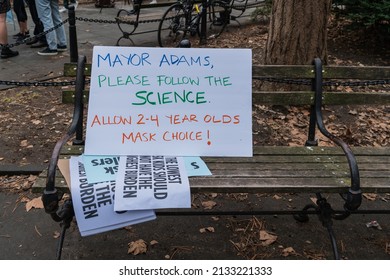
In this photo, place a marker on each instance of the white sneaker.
(63, 9)
(75, 5)
(153, 2)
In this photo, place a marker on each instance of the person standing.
(6, 52)
(37, 42)
(48, 12)
(21, 15)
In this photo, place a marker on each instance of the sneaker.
(39, 44)
(7, 53)
(48, 51)
(61, 48)
(22, 37)
(17, 35)
(32, 41)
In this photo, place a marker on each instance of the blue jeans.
(48, 12)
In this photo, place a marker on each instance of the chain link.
(36, 84)
(325, 84)
(118, 21)
(36, 36)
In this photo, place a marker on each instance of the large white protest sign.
(151, 182)
(94, 204)
(163, 101)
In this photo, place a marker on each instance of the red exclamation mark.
(208, 137)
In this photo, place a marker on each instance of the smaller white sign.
(94, 204)
(151, 182)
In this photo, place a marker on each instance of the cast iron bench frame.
(335, 169)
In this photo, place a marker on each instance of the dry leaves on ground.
(34, 203)
(137, 247)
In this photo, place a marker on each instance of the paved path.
(29, 66)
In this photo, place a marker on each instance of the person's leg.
(6, 52)
(37, 22)
(60, 31)
(45, 14)
(34, 15)
(3, 30)
(21, 15)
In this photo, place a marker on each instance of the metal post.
(203, 24)
(311, 136)
(72, 34)
(79, 100)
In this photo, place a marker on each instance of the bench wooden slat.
(357, 72)
(282, 169)
(258, 184)
(276, 151)
(329, 98)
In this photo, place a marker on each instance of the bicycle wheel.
(218, 15)
(172, 27)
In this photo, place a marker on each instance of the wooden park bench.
(340, 169)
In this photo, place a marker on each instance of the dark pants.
(34, 15)
(20, 10)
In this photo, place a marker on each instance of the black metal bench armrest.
(51, 197)
(353, 198)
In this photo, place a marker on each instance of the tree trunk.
(297, 32)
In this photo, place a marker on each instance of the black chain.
(325, 84)
(36, 84)
(118, 20)
(357, 84)
(96, 20)
(284, 81)
(24, 41)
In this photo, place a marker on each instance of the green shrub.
(263, 12)
(369, 13)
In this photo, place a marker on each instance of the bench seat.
(281, 168)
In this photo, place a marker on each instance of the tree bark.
(297, 32)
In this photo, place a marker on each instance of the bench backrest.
(334, 77)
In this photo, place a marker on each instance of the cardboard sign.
(162, 101)
(94, 204)
(151, 182)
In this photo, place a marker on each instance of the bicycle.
(183, 20)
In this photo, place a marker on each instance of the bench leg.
(67, 214)
(325, 214)
(311, 136)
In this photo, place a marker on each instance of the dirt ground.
(33, 118)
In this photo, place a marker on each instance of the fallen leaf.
(36, 122)
(288, 251)
(56, 234)
(209, 204)
(137, 247)
(207, 229)
(370, 196)
(34, 203)
(153, 242)
(23, 143)
(267, 238)
(277, 197)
